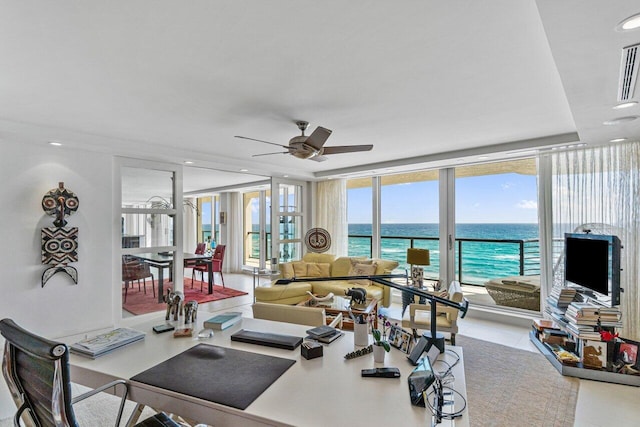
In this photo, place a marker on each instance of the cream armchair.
(419, 317)
(311, 316)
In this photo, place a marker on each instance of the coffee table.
(341, 305)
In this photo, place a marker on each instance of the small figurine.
(174, 303)
(358, 295)
(190, 311)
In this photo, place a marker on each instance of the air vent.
(628, 72)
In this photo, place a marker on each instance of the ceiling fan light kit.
(310, 147)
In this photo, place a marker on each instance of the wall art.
(59, 243)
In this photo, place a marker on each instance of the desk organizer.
(311, 350)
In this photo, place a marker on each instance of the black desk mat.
(218, 374)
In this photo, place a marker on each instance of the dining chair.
(135, 270)
(200, 250)
(419, 316)
(216, 266)
(37, 372)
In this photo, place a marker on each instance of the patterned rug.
(507, 387)
(140, 303)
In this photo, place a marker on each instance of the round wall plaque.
(318, 240)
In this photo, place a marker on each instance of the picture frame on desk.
(628, 352)
(400, 339)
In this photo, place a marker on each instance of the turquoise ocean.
(481, 260)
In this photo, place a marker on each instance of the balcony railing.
(477, 260)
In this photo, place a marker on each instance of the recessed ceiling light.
(188, 162)
(483, 157)
(617, 139)
(244, 170)
(285, 176)
(625, 105)
(631, 23)
(620, 120)
(55, 143)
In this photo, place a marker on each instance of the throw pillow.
(362, 269)
(286, 269)
(320, 269)
(299, 268)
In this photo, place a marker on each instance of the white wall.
(61, 307)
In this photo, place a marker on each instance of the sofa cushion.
(385, 266)
(342, 265)
(362, 269)
(286, 270)
(318, 258)
(320, 269)
(299, 268)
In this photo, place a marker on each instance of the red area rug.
(140, 303)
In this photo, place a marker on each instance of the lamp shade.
(417, 256)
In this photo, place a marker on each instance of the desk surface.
(317, 392)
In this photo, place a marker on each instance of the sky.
(502, 198)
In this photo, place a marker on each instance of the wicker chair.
(38, 375)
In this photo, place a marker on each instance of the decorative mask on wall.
(59, 243)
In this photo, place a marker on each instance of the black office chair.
(37, 373)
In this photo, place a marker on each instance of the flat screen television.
(592, 261)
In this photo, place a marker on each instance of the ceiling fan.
(312, 146)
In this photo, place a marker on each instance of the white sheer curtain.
(331, 214)
(190, 226)
(233, 256)
(601, 186)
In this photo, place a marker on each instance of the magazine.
(104, 343)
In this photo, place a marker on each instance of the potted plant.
(380, 343)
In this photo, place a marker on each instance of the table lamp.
(417, 257)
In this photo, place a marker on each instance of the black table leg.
(210, 273)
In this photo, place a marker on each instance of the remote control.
(381, 372)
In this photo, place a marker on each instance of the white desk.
(317, 392)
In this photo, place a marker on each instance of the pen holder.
(310, 350)
(361, 334)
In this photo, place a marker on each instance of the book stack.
(558, 301)
(540, 325)
(324, 334)
(104, 343)
(584, 317)
(223, 320)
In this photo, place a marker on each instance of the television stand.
(584, 373)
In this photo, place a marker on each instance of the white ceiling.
(423, 81)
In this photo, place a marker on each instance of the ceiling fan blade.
(346, 149)
(266, 142)
(318, 158)
(269, 154)
(318, 137)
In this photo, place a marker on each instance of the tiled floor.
(599, 404)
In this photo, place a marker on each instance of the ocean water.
(480, 260)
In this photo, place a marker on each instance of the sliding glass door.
(288, 221)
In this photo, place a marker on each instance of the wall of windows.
(496, 219)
